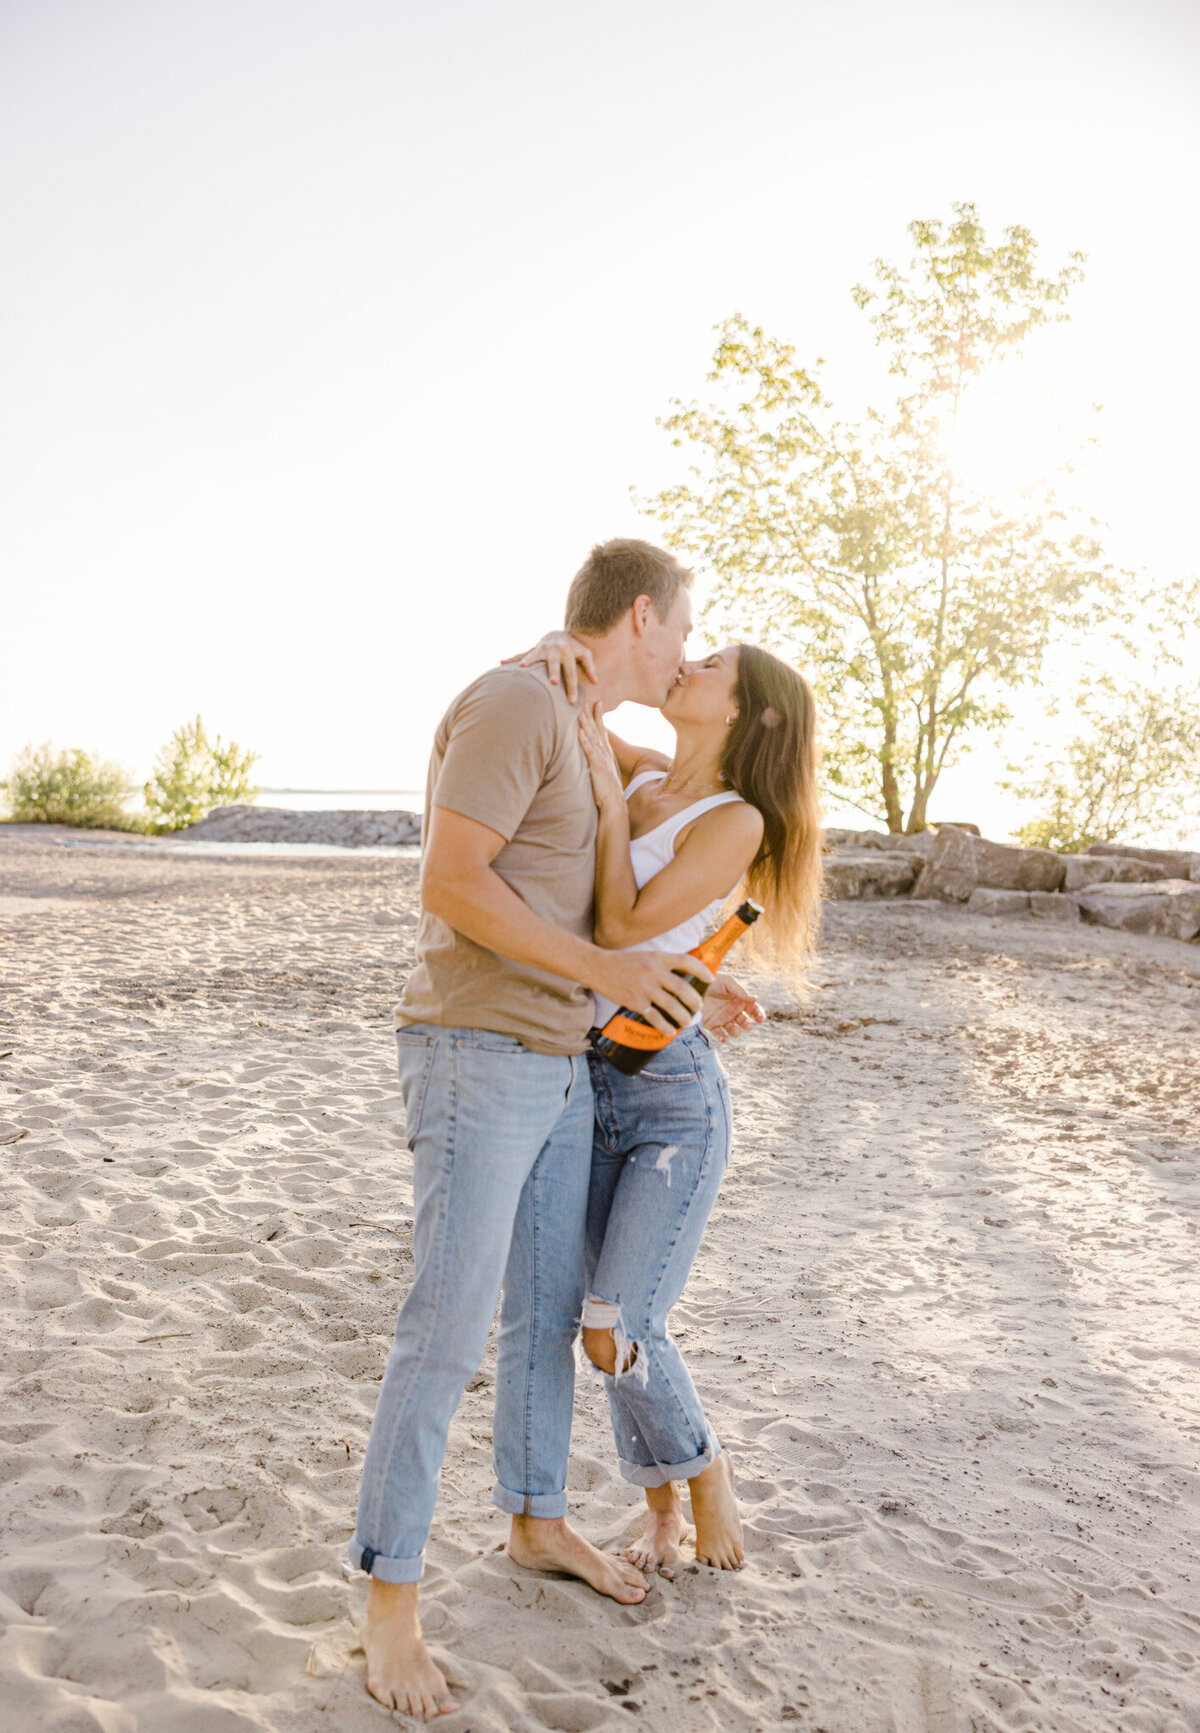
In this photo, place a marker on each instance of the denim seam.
(400, 1413)
(526, 1447)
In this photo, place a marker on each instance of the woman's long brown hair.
(771, 759)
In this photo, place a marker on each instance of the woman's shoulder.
(733, 815)
(732, 823)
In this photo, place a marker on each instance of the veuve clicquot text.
(627, 1040)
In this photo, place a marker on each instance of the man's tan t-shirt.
(507, 754)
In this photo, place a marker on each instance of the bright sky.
(334, 334)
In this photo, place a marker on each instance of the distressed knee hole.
(600, 1348)
(604, 1340)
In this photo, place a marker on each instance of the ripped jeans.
(659, 1155)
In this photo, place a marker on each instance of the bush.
(193, 774)
(69, 787)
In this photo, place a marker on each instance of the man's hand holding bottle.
(651, 983)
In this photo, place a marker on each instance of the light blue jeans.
(501, 1139)
(660, 1152)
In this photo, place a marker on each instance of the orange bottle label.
(639, 1035)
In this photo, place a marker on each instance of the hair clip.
(771, 717)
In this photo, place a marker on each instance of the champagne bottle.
(627, 1040)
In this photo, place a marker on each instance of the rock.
(957, 824)
(344, 829)
(1053, 906)
(1093, 869)
(985, 902)
(1170, 909)
(855, 839)
(1181, 863)
(919, 843)
(959, 863)
(869, 874)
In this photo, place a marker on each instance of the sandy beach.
(945, 1322)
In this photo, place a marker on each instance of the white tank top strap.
(640, 780)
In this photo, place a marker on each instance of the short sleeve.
(500, 742)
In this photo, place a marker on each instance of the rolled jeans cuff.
(543, 1504)
(662, 1472)
(387, 1570)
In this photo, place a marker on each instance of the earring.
(730, 719)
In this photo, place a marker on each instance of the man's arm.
(460, 887)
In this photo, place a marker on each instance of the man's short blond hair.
(612, 578)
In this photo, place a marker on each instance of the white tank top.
(649, 855)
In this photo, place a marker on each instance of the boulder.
(1109, 869)
(960, 863)
(869, 874)
(1170, 909)
(919, 843)
(985, 902)
(1181, 863)
(1053, 906)
(855, 839)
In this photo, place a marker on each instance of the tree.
(1131, 771)
(856, 547)
(193, 774)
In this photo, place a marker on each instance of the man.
(498, 1109)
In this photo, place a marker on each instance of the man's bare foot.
(539, 1543)
(715, 1512)
(657, 1549)
(401, 1673)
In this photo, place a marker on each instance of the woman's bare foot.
(401, 1673)
(550, 1544)
(657, 1549)
(715, 1512)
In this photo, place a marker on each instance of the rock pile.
(346, 829)
(1142, 890)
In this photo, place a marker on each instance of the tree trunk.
(916, 816)
(891, 788)
(891, 801)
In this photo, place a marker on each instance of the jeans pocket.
(414, 1062)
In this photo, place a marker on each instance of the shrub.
(69, 787)
(193, 774)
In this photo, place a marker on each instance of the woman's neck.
(695, 768)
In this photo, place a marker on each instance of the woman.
(737, 803)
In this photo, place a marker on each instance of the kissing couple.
(565, 873)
